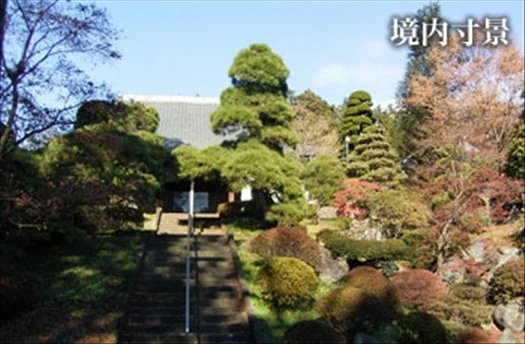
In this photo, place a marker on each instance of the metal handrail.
(190, 233)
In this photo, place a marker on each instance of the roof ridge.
(169, 99)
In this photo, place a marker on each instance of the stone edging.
(255, 325)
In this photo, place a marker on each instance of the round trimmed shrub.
(423, 328)
(313, 332)
(508, 281)
(418, 287)
(473, 336)
(287, 242)
(361, 271)
(352, 310)
(373, 282)
(288, 283)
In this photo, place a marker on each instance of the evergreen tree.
(373, 160)
(256, 108)
(323, 176)
(357, 117)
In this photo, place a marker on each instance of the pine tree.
(256, 108)
(373, 160)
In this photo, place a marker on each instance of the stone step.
(179, 303)
(163, 311)
(181, 338)
(156, 291)
(174, 265)
(172, 283)
(195, 319)
(166, 273)
(167, 329)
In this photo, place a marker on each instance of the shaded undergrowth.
(75, 291)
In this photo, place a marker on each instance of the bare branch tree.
(41, 82)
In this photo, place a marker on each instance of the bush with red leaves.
(374, 283)
(418, 287)
(287, 242)
(347, 201)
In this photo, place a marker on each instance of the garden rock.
(506, 254)
(507, 337)
(452, 271)
(331, 270)
(511, 316)
(482, 255)
(388, 269)
(327, 213)
(365, 230)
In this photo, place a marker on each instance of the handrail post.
(190, 232)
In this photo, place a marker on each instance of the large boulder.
(511, 316)
(506, 254)
(327, 213)
(483, 253)
(331, 270)
(364, 230)
(453, 270)
(507, 337)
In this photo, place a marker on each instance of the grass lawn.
(273, 325)
(72, 293)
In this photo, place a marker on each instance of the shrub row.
(364, 250)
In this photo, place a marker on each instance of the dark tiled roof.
(183, 120)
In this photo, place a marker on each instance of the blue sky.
(333, 48)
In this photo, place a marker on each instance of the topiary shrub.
(422, 328)
(287, 242)
(418, 287)
(352, 310)
(364, 250)
(508, 281)
(288, 283)
(313, 332)
(361, 271)
(473, 336)
(373, 282)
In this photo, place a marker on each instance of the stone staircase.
(156, 311)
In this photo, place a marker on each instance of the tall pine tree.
(256, 108)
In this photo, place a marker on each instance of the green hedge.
(365, 250)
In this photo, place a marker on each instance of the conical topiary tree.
(373, 160)
(357, 117)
